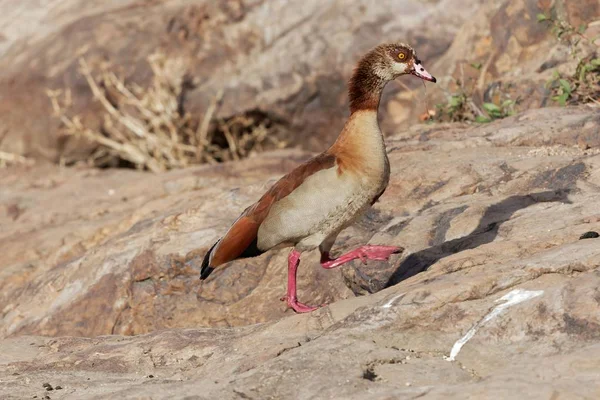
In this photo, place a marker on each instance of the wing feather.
(241, 238)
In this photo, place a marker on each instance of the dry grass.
(583, 86)
(8, 159)
(460, 105)
(144, 126)
(580, 88)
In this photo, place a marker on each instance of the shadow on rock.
(486, 232)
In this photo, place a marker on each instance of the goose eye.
(402, 56)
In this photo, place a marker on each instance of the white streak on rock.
(392, 300)
(510, 299)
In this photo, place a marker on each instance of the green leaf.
(456, 101)
(482, 120)
(492, 108)
(477, 66)
(566, 86)
(562, 99)
(542, 17)
(555, 74)
(582, 28)
(595, 62)
(507, 103)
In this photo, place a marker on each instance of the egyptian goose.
(308, 207)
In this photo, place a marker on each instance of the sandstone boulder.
(495, 296)
(491, 217)
(288, 60)
(505, 53)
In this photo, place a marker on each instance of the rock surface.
(504, 53)
(496, 295)
(289, 60)
(486, 213)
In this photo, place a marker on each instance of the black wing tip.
(205, 269)
(251, 251)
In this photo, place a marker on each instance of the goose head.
(382, 64)
(389, 61)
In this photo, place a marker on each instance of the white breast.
(328, 201)
(307, 209)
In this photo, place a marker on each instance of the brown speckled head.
(379, 66)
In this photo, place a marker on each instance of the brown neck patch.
(365, 86)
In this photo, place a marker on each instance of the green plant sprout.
(584, 85)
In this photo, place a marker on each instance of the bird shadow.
(485, 232)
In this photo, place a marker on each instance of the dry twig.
(145, 127)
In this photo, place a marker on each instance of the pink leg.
(292, 299)
(368, 252)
